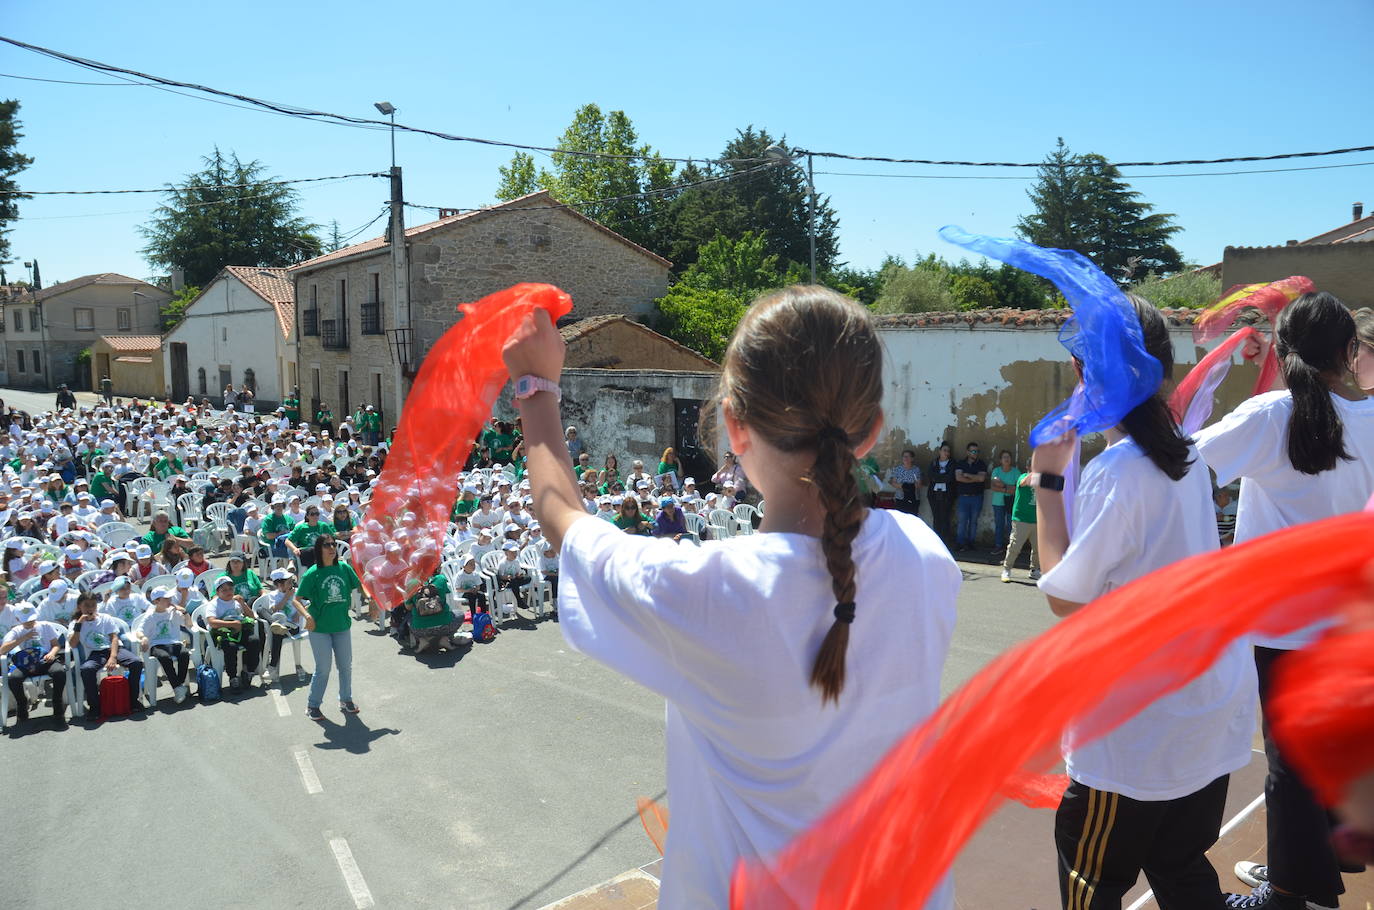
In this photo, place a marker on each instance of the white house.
(240, 329)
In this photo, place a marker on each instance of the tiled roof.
(584, 327)
(1344, 232)
(1015, 319)
(273, 285)
(1364, 236)
(84, 280)
(542, 198)
(133, 343)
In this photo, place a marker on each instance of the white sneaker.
(270, 677)
(179, 694)
(300, 674)
(1006, 575)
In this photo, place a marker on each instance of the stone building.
(349, 345)
(620, 343)
(133, 363)
(46, 330)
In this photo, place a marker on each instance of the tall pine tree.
(11, 163)
(229, 213)
(1081, 203)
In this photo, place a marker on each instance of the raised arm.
(537, 349)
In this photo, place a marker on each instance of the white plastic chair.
(500, 602)
(722, 523)
(157, 497)
(117, 533)
(188, 507)
(135, 490)
(760, 507)
(34, 686)
(744, 518)
(247, 546)
(541, 592)
(262, 608)
(695, 525)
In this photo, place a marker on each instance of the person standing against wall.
(942, 490)
(1023, 528)
(1004, 478)
(970, 476)
(906, 478)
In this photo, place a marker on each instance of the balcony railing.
(370, 319)
(334, 334)
(310, 322)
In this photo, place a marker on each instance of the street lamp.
(389, 110)
(776, 154)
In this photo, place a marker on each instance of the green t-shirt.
(303, 535)
(500, 445)
(329, 591)
(442, 618)
(273, 525)
(292, 409)
(324, 417)
(465, 506)
(102, 487)
(1007, 477)
(166, 467)
(154, 539)
(664, 468)
(1023, 507)
(248, 586)
(627, 523)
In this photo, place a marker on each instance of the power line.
(180, 189)
(846, 157)
(345, 119)
(68, 81)
(647, 194)
(1272, 170)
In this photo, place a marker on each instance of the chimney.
(1357, 211)
(1291, 243)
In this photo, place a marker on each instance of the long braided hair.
(804, 371)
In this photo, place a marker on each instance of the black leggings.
(55, 671)
(941, 509)
(175, 661)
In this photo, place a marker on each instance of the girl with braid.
(791, 659)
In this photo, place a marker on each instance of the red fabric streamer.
(1269, 299)
(398, 545)
(1192, 398)
(654, 817)
(893, 838)
(1322, 707)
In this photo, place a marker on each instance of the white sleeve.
(1244, 441)
(627, 601)
(1103, 539)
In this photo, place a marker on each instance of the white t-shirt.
(1131, 519)
(58, 609)
(727, 633)
(162, 628)
(98, 632)
(1252, 443)
(480, 519)
(126, 608)
(47, 635)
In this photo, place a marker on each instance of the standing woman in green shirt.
(327, 588)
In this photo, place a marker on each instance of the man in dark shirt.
(970, 476)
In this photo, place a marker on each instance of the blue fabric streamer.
(1103, 334)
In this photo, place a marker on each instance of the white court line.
(308, 775)
(352, 875)
(283, 707)
(1225, 830)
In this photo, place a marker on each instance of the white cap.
(185, 578)
(511, 545)
(143, 551)
(161, 591)
(280, 574)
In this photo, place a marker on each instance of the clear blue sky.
(996, 80)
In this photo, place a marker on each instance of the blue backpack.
(483, 629)
(207, 680)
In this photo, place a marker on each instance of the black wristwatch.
(1050, 481)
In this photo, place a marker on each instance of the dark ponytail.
(804, 371)
(833, 477)
(1314, 336)
(1150, 424)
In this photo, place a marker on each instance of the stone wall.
(1344, 269)
(491, 252)
(629, 413)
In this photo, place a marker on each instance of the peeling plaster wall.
(990, 385)
(626, 412)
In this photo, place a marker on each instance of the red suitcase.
(114, 696)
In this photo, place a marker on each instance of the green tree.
(768, 198)
(1194, 288)
(702, 309)
(11, 163)
(921, 288)
(609, 189)
(1081, 203)
(229, 213)
(174, 310)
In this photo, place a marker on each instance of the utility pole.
(400, 290)
(811, 221)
